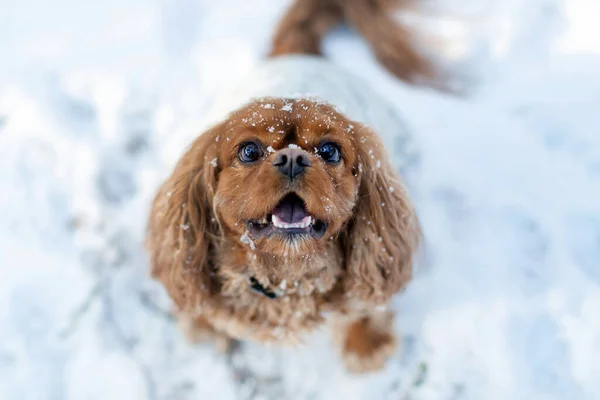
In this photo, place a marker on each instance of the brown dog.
(287, 212)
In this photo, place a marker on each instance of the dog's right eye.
(249, 152)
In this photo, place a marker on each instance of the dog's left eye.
(330, 152)
(249, 152)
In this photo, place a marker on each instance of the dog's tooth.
(277, 222)
(304, 223)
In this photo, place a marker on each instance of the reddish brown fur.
(307, 21)
(368, 341)
(198, 219)
(304, 25)
(197, 226)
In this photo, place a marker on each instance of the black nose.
(291, 162)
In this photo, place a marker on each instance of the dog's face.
(283, 182)
(288, 176)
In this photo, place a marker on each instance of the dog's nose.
(291, 162)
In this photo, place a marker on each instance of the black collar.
(257, 287)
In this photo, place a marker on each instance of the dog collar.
(257, 287)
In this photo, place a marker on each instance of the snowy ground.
(98, 99)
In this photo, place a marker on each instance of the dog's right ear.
(183, 232)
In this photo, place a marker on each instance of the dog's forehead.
(277, 118)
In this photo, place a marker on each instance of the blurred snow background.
(97, 101)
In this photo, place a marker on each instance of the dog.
(287, 213)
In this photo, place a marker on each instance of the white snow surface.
(99, 99)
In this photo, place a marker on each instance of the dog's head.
(284, 178)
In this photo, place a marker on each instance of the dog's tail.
(307, 21)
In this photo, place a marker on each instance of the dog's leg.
(197, 329)
(366, 342)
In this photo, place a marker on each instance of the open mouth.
(288, 217)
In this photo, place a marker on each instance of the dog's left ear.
(383, 236)
(183, 232)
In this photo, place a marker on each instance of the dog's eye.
(249, 152)
(330, 152)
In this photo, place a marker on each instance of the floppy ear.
(183, 231)
(384, 233)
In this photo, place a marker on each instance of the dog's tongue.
(290, 210)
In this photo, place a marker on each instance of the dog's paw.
(367, 349)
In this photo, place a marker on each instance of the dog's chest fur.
(274, 299)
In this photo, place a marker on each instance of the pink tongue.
(290, 210)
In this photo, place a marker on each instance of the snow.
(286, 107)
(246, 239)
(99, 100)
